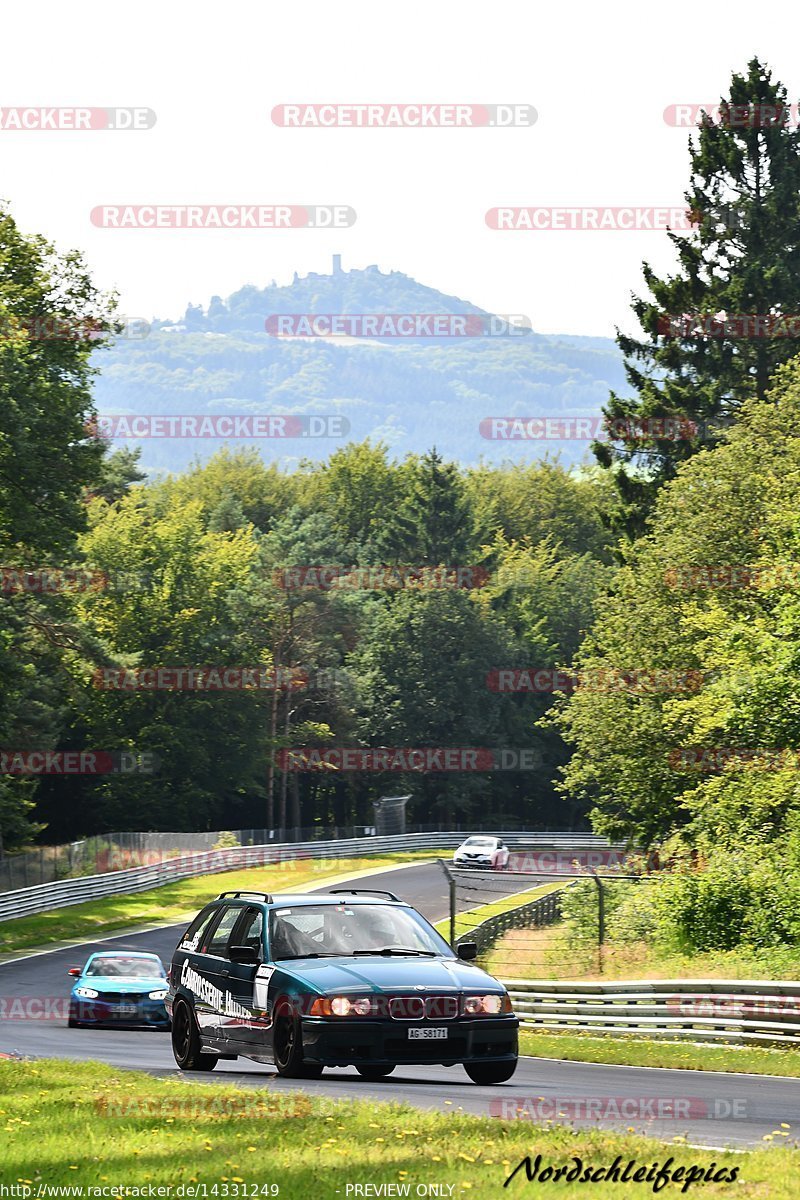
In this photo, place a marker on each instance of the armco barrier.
(64, 892)
(700, 1010)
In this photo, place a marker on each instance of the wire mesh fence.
(528, 925)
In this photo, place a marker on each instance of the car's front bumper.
(102, 1012)
(355, 1041)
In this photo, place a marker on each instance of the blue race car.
(119, 987)
(331, 980)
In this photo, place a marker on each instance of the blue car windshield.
(328, 930)
(128, 968)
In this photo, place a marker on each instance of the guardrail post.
(601, 916)
(452, 890)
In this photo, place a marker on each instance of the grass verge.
(174, 901)
(642, 1052)
(89, 1125)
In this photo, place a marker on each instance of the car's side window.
(197, 930)
(222, 933)
(250, 930)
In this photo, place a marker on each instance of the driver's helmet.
(377, 929)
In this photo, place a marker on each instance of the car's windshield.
(349, 929)
(128, 968)
(482, 841)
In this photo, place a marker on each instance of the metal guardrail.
(65, 892)
(99, 853)
(700, 1010)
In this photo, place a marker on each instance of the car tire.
(486, 1074)
(287, 1047)
(186, 1041)
(374, 1072)
(72, 1023)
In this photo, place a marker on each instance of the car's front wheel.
(186, 1041)
(287, 1049)
(368, 1071)
(489, 1073)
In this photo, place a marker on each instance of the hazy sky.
(599, 76)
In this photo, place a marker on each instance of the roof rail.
(238, 895)
(362, 892)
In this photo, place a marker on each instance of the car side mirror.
(244, 954)
(467, 950)
(75, 971)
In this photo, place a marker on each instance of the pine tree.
(433, 524)
(742, 259)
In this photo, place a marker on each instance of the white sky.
(600, 77)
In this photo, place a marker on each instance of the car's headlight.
(162, 995)
(87, 993)
(342, 1006)
(487, 1006)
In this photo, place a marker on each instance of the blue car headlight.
(87, 993)
(161, 995)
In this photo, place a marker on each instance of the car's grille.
(121, 997)
(407, 1008)
(418, 1008)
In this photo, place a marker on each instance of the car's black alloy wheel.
(186, 1041)
(288, 1051)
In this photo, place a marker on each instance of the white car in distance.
(482, 851)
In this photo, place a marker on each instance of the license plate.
(126, 1010)
(417, 1035)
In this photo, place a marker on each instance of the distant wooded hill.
(409, 393)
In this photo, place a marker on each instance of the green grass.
(644, 1052)
(175, 901)
(60, 1125)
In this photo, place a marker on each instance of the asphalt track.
(709, 1109)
